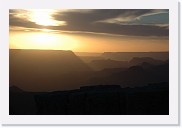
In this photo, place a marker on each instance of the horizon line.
(82, 51)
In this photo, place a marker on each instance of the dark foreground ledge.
(106, 100)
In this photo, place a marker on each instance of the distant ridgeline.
(51, 70)
(130, 55)
(106, 100)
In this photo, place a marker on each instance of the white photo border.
(171, 119)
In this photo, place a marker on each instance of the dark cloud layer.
(131, 22)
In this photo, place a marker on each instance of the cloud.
(130, 22)
(19, 18)
(150, 18)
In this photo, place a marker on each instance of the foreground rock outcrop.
(106, 100)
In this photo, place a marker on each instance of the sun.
(44, 17)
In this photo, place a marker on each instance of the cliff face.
(43, 68)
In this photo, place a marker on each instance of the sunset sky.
(90, 30)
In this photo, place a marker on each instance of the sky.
(90, 30)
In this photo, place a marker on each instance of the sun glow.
(44, 17)
(42, 40)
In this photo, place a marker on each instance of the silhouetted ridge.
(101, 87)
(106, 100)
(136, 68)
(129, 55)
(140, 60)
(146, 65)
(107, 63)
(15, 89)
(44, 69)
(133, 76)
